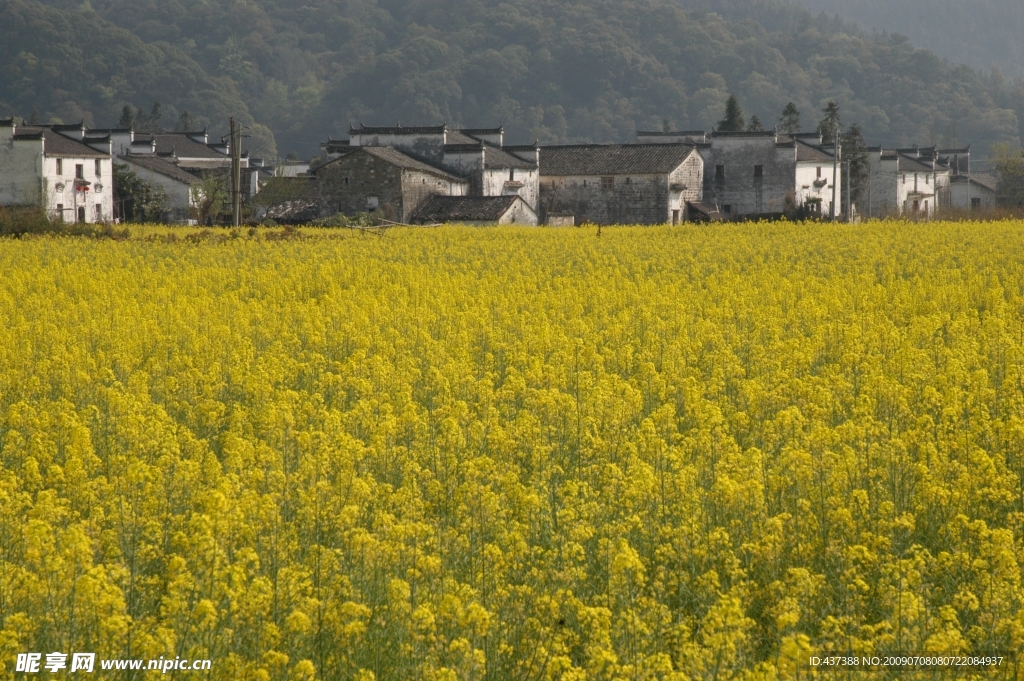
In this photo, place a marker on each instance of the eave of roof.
(398, 130)
(678, 133)
(612, 159)
(465, 208)
(161, 165)
(56, 144)
(393, 157)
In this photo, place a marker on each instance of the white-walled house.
(899, 185)
(972, 193)
(813, 187)
(48, 166)
(176, 183)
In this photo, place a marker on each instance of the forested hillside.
(982, 33)
(561, 70)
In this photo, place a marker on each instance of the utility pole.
(849, 193)
(236, 173)
(835, 174)
(969, 206)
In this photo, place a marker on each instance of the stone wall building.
(620, 183)
(435, 161)
(369, 178)
(765, 174)
(900, 185)
(48, 167)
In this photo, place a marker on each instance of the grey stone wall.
(418, 186)
(636, 199)
(344, 186)
(737, 186)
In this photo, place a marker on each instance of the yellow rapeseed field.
(694, 452)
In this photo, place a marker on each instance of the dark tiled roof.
(80, 125)
(56, 144)
(459, 137)
(985, 184)
(159, 164)
(809, 152)
(495, 157)
(678, 133)
(7, 122)
(965, 150)
(104, 131)
(464, 146)
(913, 165)
(397, 130)
(612, 159)
(183, 146)
(521, 147)
(743, 133)
(395, 158)
(473, 132)
(464, 208)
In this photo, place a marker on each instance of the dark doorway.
(81, 214)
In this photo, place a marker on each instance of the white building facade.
(47, 166)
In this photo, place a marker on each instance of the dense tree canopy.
(558, 71)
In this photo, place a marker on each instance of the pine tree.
(755, 124)
(185, 122)
(830, 125)
(734, 120)
(854, 151)
(789, 121)
(127, 119)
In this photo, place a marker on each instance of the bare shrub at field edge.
(20, 221)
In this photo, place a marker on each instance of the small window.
(60, 166)
(758, 172)
(904, 178)
(99, 212)
(80, 171)
(372, 202)
(60, 212)
(975, 202)
(819, 172)
(726, 208)
(607, 182)
(512, 175)
(719, 172)
(99, 168)
(346, 181)
(629, 180)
